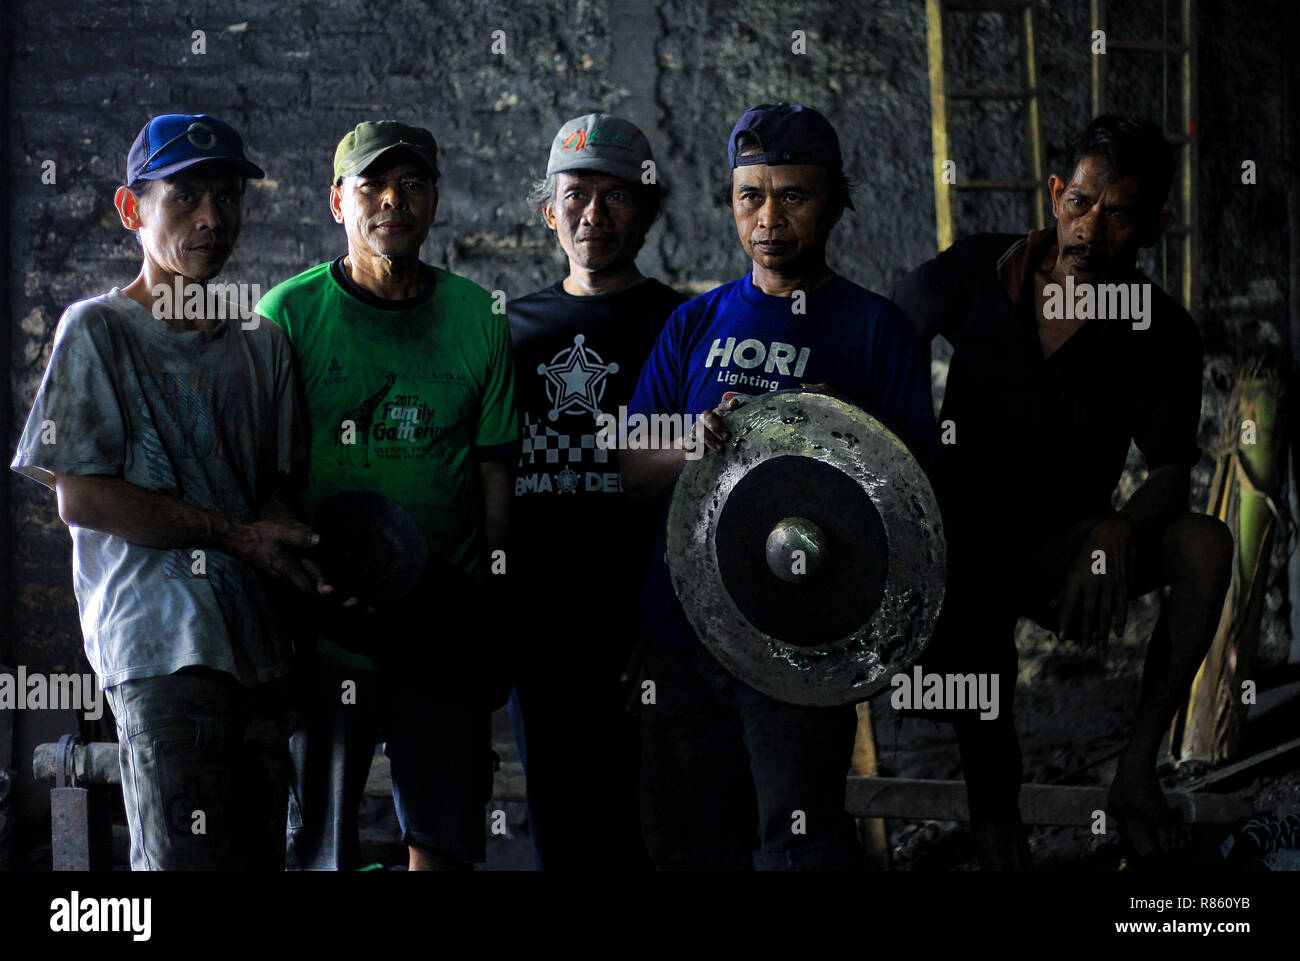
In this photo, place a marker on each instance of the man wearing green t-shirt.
(409, 391)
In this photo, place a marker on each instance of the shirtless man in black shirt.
(1063, 352)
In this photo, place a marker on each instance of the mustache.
(1092, 253)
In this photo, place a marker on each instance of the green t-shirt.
(415, 386)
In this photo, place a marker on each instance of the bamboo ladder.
(1182, 55)
(1033, 181)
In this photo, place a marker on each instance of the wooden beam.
(1221, 779)
(1062, 805)
(97, 763)
(865, 797)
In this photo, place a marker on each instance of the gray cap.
(602, 144)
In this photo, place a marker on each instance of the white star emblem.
(575, 380)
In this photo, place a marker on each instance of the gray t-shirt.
(207, 416)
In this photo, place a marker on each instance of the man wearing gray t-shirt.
(164, 423)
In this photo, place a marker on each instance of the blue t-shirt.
(737, 340)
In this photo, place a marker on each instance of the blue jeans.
(204, 771)
(732, 779)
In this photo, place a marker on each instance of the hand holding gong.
(710, 429)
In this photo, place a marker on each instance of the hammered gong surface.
(849, 586)
(869, 613)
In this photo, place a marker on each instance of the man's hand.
(152, 519)
(651, 474)
(277, 508)
(1099, 600)
(275, 548)
(709, 429)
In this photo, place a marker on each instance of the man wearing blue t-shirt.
(732, 778)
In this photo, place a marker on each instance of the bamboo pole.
(871, 831)
(1210, 726)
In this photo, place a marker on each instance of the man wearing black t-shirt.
(1063, 352)
(580, 547)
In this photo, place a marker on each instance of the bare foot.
(1148, 825)
(1001, 845)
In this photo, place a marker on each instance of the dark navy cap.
(787, 134)
(175, 141)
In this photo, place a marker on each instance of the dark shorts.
(441, 758)
(204, 771)
(734, 779)
(989, 589)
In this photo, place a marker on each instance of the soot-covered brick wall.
(293, 77)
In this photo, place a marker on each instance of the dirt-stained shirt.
(206, 416)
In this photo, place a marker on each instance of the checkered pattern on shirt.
(542, 440)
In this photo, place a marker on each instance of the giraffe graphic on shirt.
(362, 415)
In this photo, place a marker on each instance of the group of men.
(190, 453)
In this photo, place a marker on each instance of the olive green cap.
(370, 140)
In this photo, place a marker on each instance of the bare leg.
(991, 763)
(1198, 555)
(423, 859)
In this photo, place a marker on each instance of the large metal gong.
(809, 554)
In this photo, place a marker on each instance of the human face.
(783, 214)
(388, 208)
(599, 219)
(1100, 222)
(188, 223)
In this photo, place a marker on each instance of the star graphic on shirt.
(575, 379)
(566, 481)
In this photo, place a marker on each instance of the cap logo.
(201, 135)
(580, 139)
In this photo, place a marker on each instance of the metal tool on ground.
(79, 825)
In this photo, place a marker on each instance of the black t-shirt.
(573, 530)
(1041, 442)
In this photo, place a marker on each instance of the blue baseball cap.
(175, 141)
